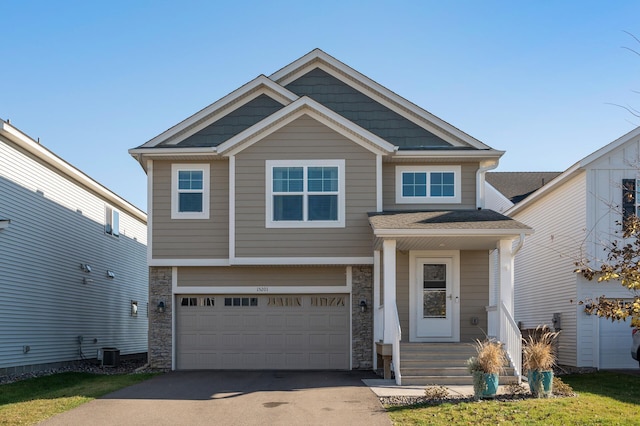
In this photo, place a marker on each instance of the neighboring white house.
(73, 271)
(574, 216)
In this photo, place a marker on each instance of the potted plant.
(486, 366)
(539, 359)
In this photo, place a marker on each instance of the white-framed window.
(190, 191)
(428, 184)
(305, 193)
(111, 221)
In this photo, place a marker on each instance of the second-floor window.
(428, 184)
(305, 193)
(111, 221)
(190, 191)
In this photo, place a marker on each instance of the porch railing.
(512, 339)
(396, 338)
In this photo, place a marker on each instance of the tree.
(623, 265)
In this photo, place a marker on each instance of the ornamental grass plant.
(538, 350)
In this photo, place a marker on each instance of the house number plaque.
(262, 289)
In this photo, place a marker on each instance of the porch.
(442, 280)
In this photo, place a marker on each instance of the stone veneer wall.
(362, 322)
(160, 349)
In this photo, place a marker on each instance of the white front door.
(435, 300)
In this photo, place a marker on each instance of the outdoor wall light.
(110, 274)
(134, 308)
(363, 305)
(85, 267)
(161, 307)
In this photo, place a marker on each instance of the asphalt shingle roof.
(450, 219)
(517, 186)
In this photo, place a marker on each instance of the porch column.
(506, 276)
(378, 318)
(389, 279)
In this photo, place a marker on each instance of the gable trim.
(319, 59)
(261, 85)
(305, 106)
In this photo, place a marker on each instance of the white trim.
(189, 262)
(264, 261)
(318, 58)
(485, 166)
(61, 166)
(254, 290)
(232, 207)
(258, 86)
(174, 312)
(149, 167)
(428, 198)
(206, 190)
(178, 151)
(379, 194)
(408, 233)
(315, 110)
(305, 223)
(389, 282)
(450, 154)
(349, 277)
(454, 256)
(303, 261)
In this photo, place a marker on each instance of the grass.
(30, 401)
(603, 399)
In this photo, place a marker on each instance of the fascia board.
(308, 106)
(412, 233)
(174, 151)
(378, 92)
(610, 147)
(453, 154)
(551, 186)
(66, 169)
(203, 118)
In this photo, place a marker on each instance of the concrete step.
(448, 380)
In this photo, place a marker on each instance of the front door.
(436, 301)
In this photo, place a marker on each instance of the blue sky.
(534, 78)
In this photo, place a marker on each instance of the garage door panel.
(615, 345)
(277, 332)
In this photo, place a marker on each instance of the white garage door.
(615, 345)
(284, 332)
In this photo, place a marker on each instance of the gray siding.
(364, 111)
(233, 123)
(262, 276)
(468, 184)
(304, 139)
(56, 225)
(474, 294)
(190, 238)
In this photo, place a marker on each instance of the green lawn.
(603, 399)
(30, 401)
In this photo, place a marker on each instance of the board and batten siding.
(190, 238)
(304, 139)
(468, 186)
(544, 279)
(57, 225)
(272, 276)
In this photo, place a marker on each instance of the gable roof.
(231, 118)
(517, 186)
(575, 169)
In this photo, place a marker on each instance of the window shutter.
(628, 198)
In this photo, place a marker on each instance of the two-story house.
(73, 274)
(313, 218)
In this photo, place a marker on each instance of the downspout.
(519, 245)
(485, 166)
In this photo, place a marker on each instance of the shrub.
(436, 392)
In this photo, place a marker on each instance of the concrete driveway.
(236, 398)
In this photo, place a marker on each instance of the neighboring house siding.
(468, 184)
(304, 139)
(191, 238)
(364, 111)
(494, 200)
(544, 279)
(57, 225)
(262, 276)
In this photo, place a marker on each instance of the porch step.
(425, 364)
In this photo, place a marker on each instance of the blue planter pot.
(485, 384)
(540, 383)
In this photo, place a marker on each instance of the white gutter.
(520, 244)
(485, 166)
